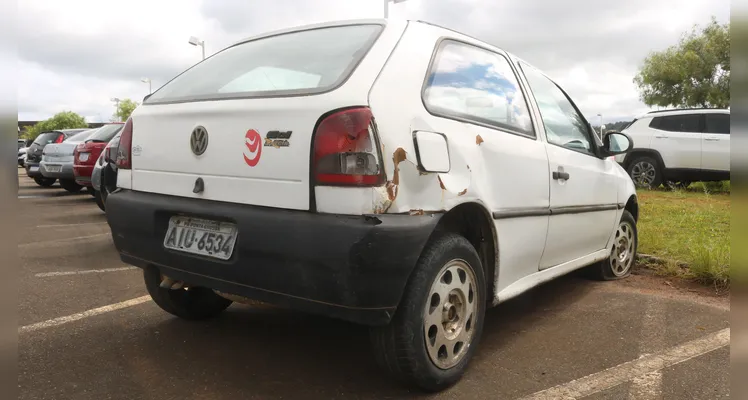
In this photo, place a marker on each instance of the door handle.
(661, 137)
(712, 139)
(560, 175)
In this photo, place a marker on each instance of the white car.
(394, 174)
(679, 147)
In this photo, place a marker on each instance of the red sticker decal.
(253, 140)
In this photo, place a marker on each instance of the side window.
(680, 123)
(717, 123)
(564, 126)
(469, 83)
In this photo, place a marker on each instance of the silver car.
(57, 161)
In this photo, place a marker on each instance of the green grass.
(690, 229)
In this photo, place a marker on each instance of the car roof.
(683, 111)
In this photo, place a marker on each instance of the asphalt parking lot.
(86, 331)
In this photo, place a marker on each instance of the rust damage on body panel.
(478, 140)
(383, 203)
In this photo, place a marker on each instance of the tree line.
(72, 120)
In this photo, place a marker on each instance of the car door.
(678, 140)
(715, 143)
(480, 106)
(583, 191)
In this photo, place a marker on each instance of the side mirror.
(615, 143)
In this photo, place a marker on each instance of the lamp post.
(197, 42)
(386, 6)
(148, 81)
(601, 125)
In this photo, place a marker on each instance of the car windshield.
(80, 137)
(296, 63)
(47, 138)
(105, 133)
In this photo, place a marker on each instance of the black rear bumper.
(349, 267)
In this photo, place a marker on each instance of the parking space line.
(24, 245)
(62, 225)
(87, 271)
(628, 371)
(85, 314)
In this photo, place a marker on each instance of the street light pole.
(601, 125)
(387, 4)
(197, 42)
(148, 81)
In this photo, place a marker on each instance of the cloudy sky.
(78, 54)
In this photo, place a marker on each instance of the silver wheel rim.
(450, 313)
(643, 173)
(624, 244)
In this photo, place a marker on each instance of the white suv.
(394, 174)
(679, 147)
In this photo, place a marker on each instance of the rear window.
(718, 123)
(296, 63)
(105, 133)
(47, 138)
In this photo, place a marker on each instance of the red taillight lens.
(60, 138)
(124, 150)
(345, 150)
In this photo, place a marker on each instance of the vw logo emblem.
(199, 140)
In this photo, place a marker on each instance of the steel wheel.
(643, 173)
(622, 256)
(449, 315)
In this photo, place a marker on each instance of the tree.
(125, 107)
(693, 73)
(61, 120)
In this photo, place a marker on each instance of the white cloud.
(77, 54)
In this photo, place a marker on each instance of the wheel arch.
(639, 152)
(473, 221)
(632, 206)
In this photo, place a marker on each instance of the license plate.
(204, 237)
(33, 169)
(54, 168)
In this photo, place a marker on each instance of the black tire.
(195, 303)
(70, 185)
(609, 270)
(640, 163)
(99, 200)
(401, 347)
(44, 182)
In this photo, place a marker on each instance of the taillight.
(124, 150)
(60, 138)
(345, 150)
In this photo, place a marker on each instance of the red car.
(86, 154)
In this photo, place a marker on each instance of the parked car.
(21, 143)
(394, 174)
(22, 156)
(57, 161)
(34, 153)
(87, 152)
(679, 147)
(104, 175)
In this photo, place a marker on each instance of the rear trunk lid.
(242, 121)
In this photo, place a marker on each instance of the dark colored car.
(34, 153)
(88, 152)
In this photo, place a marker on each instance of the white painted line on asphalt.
(652, 338)
(87, 271)
(24, 245)
(85, 314)
(625, 372)
(81, 224)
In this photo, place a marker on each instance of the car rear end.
(57, 158)
(223, 171)
(35, 151)
(88, 151)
